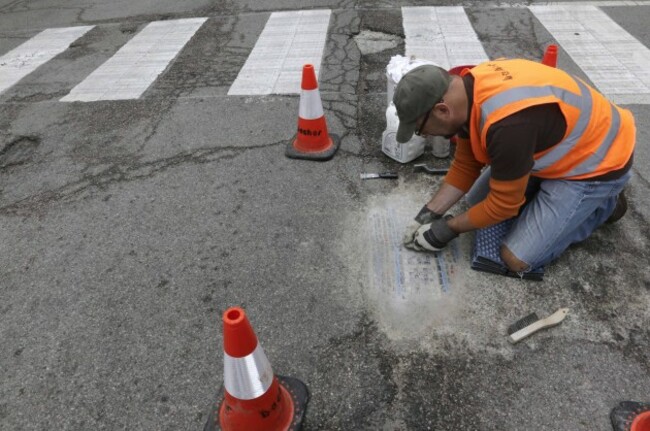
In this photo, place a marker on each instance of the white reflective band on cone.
(249, 377)
(310, 105)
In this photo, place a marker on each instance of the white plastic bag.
(397, 67)
(414, 148)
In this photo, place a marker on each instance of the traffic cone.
(253, 397)
(550, 56)
(460, 70)
(312, 141)
(631, 416)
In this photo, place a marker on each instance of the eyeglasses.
(426, 118)
(418, 132)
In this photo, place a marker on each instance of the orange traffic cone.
(460, 70)
(254, 398)
(312, 141)
(550, 56)
(631, 416)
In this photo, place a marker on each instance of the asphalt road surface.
(139, 201)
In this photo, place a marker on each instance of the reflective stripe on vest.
(248, 377)
(582, 102)
(595, 160)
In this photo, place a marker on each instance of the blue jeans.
(557, 213)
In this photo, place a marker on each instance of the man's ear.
(441, 110)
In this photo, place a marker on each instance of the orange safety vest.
(599, 137)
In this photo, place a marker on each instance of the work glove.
(433, 236)
(425, 216)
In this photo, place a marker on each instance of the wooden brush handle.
(551, 320)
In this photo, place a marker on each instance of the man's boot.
(619, 210)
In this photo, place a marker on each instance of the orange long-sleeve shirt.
(503, 200)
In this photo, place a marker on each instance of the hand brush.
(530, 324)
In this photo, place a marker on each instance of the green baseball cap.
(417, 92)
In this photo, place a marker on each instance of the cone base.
(300, 397)
(293, 153)
(290, 387)
(623, 415)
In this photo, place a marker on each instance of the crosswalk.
(40, 49)
(443, 35)
(137, 64)
(289, 40)
(614, 60)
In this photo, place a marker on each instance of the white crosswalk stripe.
(137, 64)
(38, 50)
(443, 35)
(613, 59)
(289, 40)
(599, 3)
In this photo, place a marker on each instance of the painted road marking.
(600, 3)
(443, 35)
(137, 64)
(403, 286)
(613, 59)
(40, 49)
(604, 3)
(289, 40)
(399, 274)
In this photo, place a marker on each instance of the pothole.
(371, 42)
(18, 151)
(128, 28)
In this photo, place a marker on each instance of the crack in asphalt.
(10, 6)
(119, 174)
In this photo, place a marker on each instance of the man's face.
(438, 122)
